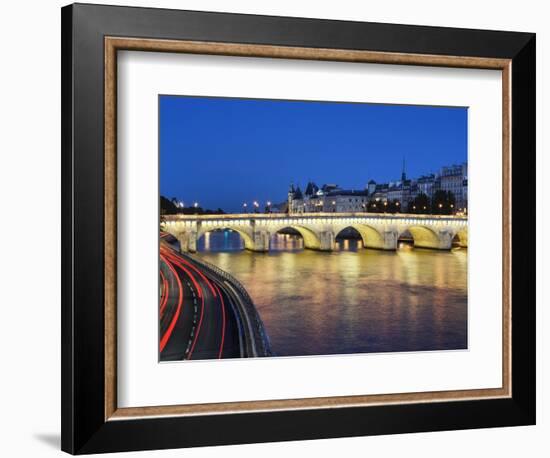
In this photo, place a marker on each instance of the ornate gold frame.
(114, 44)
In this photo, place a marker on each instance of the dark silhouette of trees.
(374, 206)
(394, 206)
(168, 207)
(420, 204)
(443, 203)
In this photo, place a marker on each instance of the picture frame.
(92, 35)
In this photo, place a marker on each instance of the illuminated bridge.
(319, 230)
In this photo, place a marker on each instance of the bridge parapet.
(319, 230)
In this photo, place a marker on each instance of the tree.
(451, 202)
(420, 204)
(374, 206)
(167, 207)
(394, 206)
(443, 203)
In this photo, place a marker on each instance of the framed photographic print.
(282, 228)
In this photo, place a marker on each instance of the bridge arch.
(427, 237)
(372, 238)
(245, 236)
(461, 237)
(311, 240)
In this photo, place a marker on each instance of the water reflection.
(352, 300)
(286, 242)
(220, 240)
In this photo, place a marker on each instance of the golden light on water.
(402, 246)
(207, 241)
(352, 300)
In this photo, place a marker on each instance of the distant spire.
(403, 174)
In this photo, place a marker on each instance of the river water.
(353, 300)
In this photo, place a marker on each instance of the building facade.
(332, 198)
(427, 184)
(328, 198)
(454, 178)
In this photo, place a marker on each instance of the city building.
(400, 191)
(380, 193)
(332, 198)
(426, 184)
(328, 198)
(454, 178)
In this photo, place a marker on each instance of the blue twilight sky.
(222, 152)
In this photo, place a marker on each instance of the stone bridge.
(319, 230)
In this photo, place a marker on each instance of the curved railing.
(257, 330)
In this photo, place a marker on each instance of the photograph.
(306, 228)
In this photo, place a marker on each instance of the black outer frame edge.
(524, 228)
(67, 412)
(174, 432)
(162, 23)
(83, 427)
